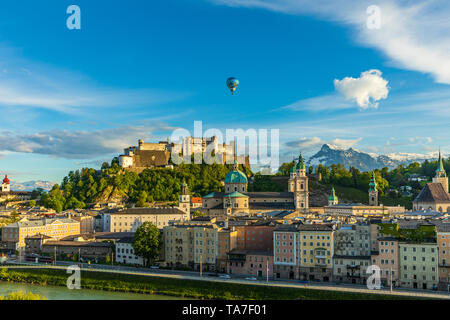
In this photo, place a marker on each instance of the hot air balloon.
(232, 84)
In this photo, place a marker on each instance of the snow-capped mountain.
(329, 155)
(31, 185)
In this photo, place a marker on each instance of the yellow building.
(192, 244)
(315, 252)
(56, 228)
(129, 220)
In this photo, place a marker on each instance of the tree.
(147, 242)
(32, 203)
(142, 201)
(198, 213)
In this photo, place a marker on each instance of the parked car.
(251, 278)
(154, 267)
(303, 281)
(213, 275)
(224, 276)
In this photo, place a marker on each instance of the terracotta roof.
(433, 192)
(196, 199)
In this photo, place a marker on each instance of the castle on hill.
(157, 155)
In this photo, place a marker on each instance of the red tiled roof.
(196, 200)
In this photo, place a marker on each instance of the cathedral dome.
(236, 176)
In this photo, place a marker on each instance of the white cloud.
(77, 144)
(314, 142)
(317, 104)
(305, 143)
(366, 90)
(413, 35)
(344, 143)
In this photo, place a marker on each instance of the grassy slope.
(181, 288)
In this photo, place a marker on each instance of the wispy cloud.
(78, 144)
(413, 35)
(24, 83)
(314, 142)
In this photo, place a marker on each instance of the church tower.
(184, 198)
(6, 186)
(333, 199)
(441, 176)
(298, 184)
(373, 192)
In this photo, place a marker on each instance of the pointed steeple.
(333, 194)
(300, 163)
(440, 171)
(373, 183)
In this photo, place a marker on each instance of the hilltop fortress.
(157, 155)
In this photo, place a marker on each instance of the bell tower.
(5, 185)
(441, 175)
(184, 199)
(373, 192)
(333, 199)
(298, 184)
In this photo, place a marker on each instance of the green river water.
(62, 293)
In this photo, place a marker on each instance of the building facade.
(125, 253)
(443, 241)
(388, 260)
(56, 228)
(130, 219)
(418, 265)
(315, 254)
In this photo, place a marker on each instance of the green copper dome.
(236, 176)
(292, 169)
(300, 163)
(333, 196)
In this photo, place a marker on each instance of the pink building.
(250, 262)
(285, 238)
(387, 258)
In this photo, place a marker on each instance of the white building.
(125, 252)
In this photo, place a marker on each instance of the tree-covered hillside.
(82, 188)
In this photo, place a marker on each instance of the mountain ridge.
(351, 157)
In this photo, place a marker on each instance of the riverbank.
(180, 287)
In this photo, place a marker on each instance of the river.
(62, 293)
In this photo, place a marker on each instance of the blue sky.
(140, 69)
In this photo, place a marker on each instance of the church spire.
(373, 183)
(440, 171)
